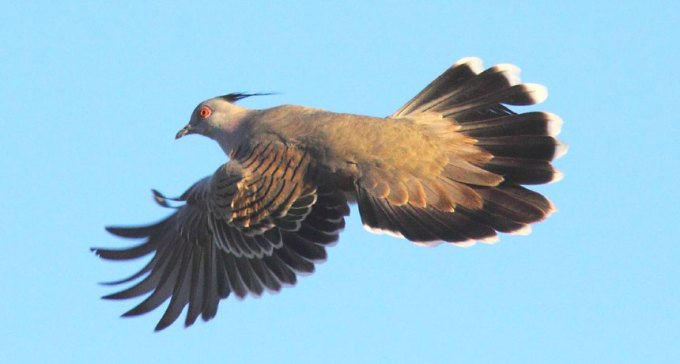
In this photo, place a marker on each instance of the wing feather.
(253, 225)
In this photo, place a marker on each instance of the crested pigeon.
(448, 166)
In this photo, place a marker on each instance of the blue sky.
(91, 96)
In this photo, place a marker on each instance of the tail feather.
(500, 223)
(448, 82)
(502, 202)
(519, 95)
(463, 89)
(422, 225)
(505, 210)
(531, 146)
(523, 171)
(523, 145)
(520, 149)
(477, 88)
(531, 123)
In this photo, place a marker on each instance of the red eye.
(204, 111)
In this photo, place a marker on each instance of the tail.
(518, 150)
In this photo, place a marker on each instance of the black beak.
(185, 130)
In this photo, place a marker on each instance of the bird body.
(448, 166)
(343, 144)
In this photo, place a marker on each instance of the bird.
(450, 166)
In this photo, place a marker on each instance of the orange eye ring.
(205, 112)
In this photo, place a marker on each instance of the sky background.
(91, 96)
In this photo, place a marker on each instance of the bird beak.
(185, 130)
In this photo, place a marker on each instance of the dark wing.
(230, 238)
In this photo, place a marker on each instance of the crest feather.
(233, 97)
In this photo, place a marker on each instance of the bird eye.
(204, 111)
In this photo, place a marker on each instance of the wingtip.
(164, 324)
(109, 296)
(130, 313)
(107, 284)
(99, 252)
(116, 230)
(160, 198)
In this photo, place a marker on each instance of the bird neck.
(233, 133)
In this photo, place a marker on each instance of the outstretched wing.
(241, 231)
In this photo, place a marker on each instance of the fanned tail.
(519, 149)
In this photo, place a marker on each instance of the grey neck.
(231, 138)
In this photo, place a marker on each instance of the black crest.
(233, 97)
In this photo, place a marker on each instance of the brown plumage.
(448, 166)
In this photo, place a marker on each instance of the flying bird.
(448, 166)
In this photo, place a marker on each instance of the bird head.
(219, 114)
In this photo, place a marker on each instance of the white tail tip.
(464, 244)
(525, 230)
(538, 93)
(474, 63)
(560, 150)
(490, 240)
(557, 176)
(510, 71)
(554, 124)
